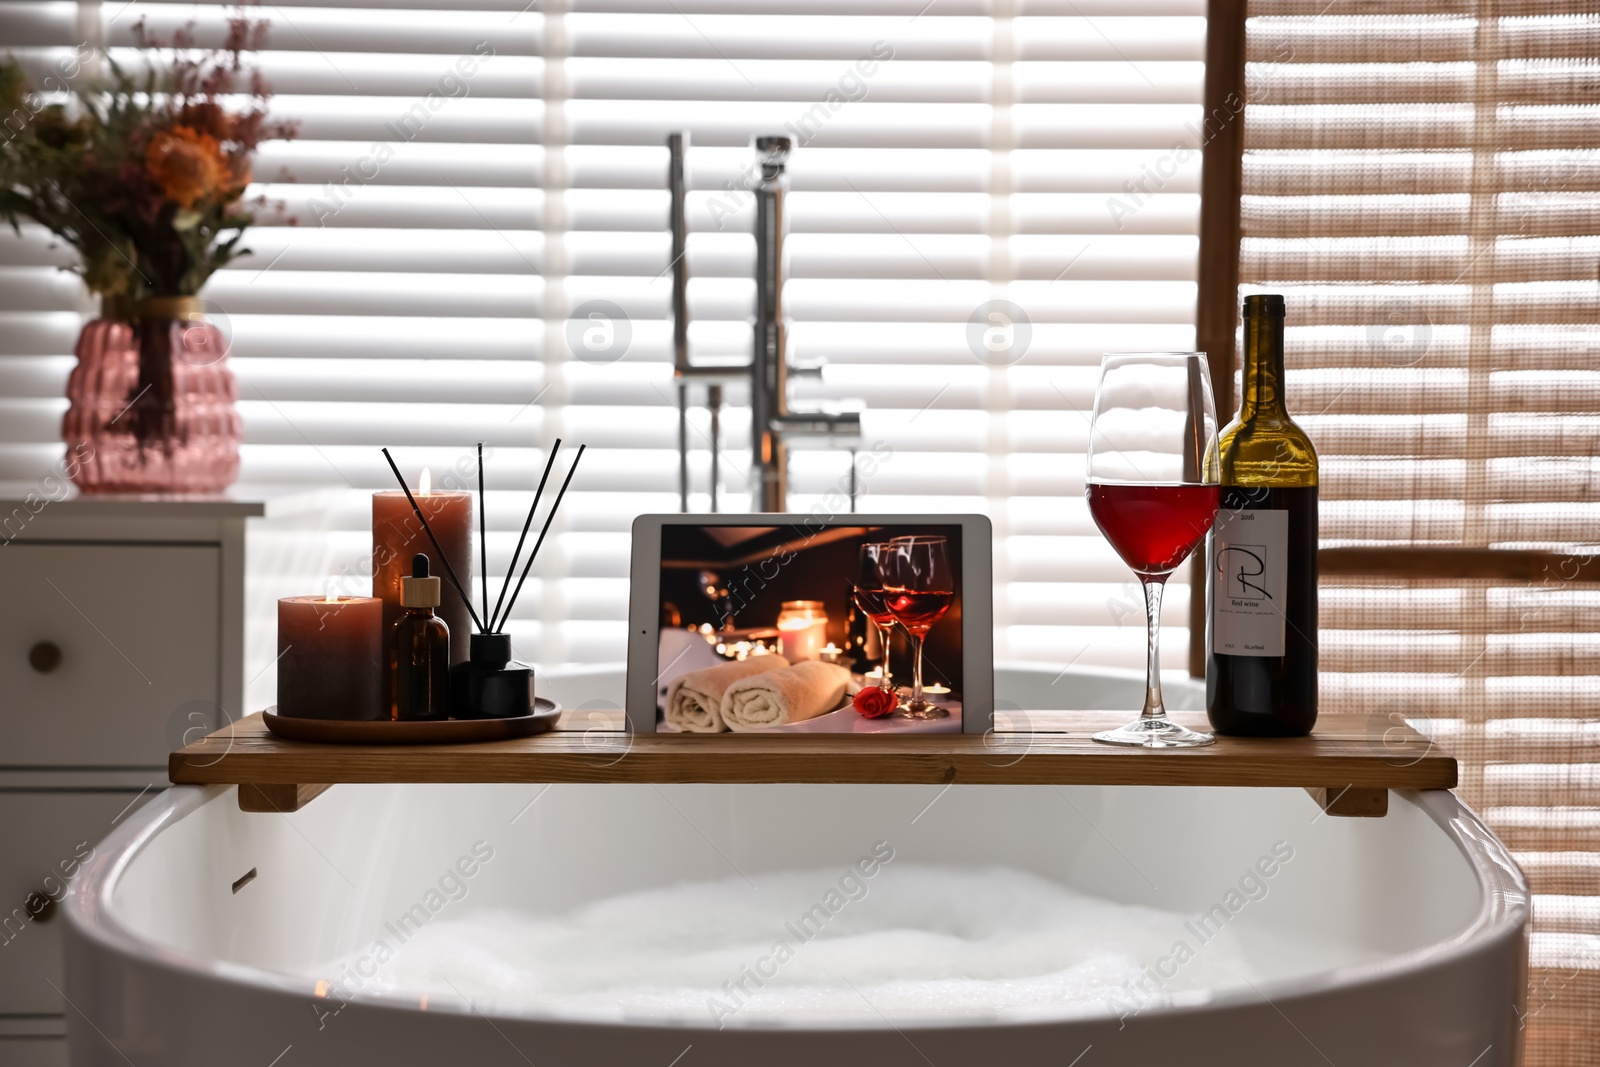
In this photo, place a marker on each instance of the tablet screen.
(780, 628)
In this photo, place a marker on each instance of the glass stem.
(1153, 706)
(884, 633)
(916, 675)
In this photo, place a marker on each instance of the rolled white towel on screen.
(793, 694)
(694, 702)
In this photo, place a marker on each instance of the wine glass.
(1152, 489)
(870, 598)
(919, 588)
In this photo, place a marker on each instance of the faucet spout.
(769, 386)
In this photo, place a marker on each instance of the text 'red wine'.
(1153, 527)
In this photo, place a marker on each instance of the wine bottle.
(1261, 641)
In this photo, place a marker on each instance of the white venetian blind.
(950, 154)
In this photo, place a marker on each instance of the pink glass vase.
(152, 404)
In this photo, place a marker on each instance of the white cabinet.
(102, 647)
(121, 629)
(44, 837)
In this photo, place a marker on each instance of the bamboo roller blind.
(1422, 182)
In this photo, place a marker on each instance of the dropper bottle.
(419, 650)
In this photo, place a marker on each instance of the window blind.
(469, 178)
(1423, 183)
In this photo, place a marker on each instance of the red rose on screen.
(875, 703)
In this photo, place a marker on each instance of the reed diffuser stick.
(548, 519)
(495, 619)
(449, 571)
(483, 537)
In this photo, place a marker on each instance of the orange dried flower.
(187, 164)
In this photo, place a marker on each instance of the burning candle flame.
(425, 482)
(331, 598)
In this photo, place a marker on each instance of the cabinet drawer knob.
(44, 657)
(41, 906)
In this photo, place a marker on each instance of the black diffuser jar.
(489, 684)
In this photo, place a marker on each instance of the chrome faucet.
(772, 424)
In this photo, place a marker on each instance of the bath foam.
(922, 942)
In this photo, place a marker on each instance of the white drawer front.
(108, 652)
(44, 838)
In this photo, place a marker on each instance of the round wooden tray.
(444, 732)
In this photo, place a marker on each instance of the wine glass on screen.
(919, 588)
(1152, 489)
(870, 598)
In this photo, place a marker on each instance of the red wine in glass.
(919, 584)
(1154, 527)
(1152, 474)
(874, 604)
(918, 612)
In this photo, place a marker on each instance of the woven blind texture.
(1422, 182)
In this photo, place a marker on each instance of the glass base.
(923, 710)
(1155, 733)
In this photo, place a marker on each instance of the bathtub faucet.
(772, 423)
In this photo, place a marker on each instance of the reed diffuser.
(489, 684)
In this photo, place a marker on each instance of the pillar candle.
(330, 657)
(800, 639)
(397, 535)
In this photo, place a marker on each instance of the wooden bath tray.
(1348, 764)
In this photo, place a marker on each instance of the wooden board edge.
(649, 768)
(274, 797)
(1351, 802)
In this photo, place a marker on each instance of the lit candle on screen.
(800, 639)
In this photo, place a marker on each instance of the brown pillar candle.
(397, 535)
(330, 657)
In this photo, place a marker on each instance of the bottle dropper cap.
(419, 590)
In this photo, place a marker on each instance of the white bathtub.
(1399, 940)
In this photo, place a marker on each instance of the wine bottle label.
(1249, 568)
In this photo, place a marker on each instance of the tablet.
(752, 623)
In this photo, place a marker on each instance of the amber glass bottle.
(419, 650)
(1261, 640)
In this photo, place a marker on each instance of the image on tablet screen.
(802, 629)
